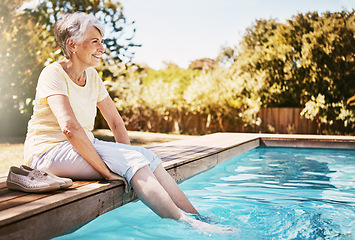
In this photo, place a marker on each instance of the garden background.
(299, 74)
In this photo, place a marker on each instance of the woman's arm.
(76, 135)
(114, 120)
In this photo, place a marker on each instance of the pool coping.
(247, 141)
(52, 214)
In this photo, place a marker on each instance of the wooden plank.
(48, 224)
(297, 120)
(25, 199)
(214, 142)
(175, 161)
(8, 195)
(15, 198)
(282, 119)
(285, 120)
(169, 151)
(52, 201)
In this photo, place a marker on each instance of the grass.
(11, 149)
(11, 154)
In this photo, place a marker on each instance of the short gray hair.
(73, 26)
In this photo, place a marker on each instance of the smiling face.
(90, 50)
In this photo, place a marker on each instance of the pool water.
(267, 193)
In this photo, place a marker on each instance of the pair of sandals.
(31, 180)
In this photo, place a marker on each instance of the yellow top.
(43, 131)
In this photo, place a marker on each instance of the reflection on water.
(270, 169)
(268, 193)
(282, 193)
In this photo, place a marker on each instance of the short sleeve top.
(43, 131)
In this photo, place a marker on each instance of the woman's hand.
(115, 177)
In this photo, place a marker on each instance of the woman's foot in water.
(204, 226)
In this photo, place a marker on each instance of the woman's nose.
(101, 47)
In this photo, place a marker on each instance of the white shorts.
(123, 159)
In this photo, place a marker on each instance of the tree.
(19, 66)
(310, 58)
(163, 92)
(324, 65)
(203, 64)
(29, 45)
(222, 96)
(118, 41)
(259, 59)
(227, 56)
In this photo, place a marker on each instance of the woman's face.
(90, 50)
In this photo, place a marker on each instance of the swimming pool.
(267, 193)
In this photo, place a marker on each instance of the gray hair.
(73, 26)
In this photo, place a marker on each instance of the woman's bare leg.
(151, 193)
(174, 191)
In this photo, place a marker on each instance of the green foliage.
(164, 92)
(146, 97)
(315, 109)
(296, 62)
(318, 110)
(176, 76)
(221, 94)
(20, 65)
(117, 41)
(141, 94)
(306, 62)
(325, 57)
(262, 55)
(29, 45)
(227, 56)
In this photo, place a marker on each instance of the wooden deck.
(42, 216)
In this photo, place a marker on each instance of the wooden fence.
(273, 120)
(285, 120)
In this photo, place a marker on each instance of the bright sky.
(181, 31)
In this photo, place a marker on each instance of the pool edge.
(182, 159)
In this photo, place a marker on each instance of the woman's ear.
(71, 45)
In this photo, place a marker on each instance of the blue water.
(267, 193)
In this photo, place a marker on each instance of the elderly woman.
(59, 138)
